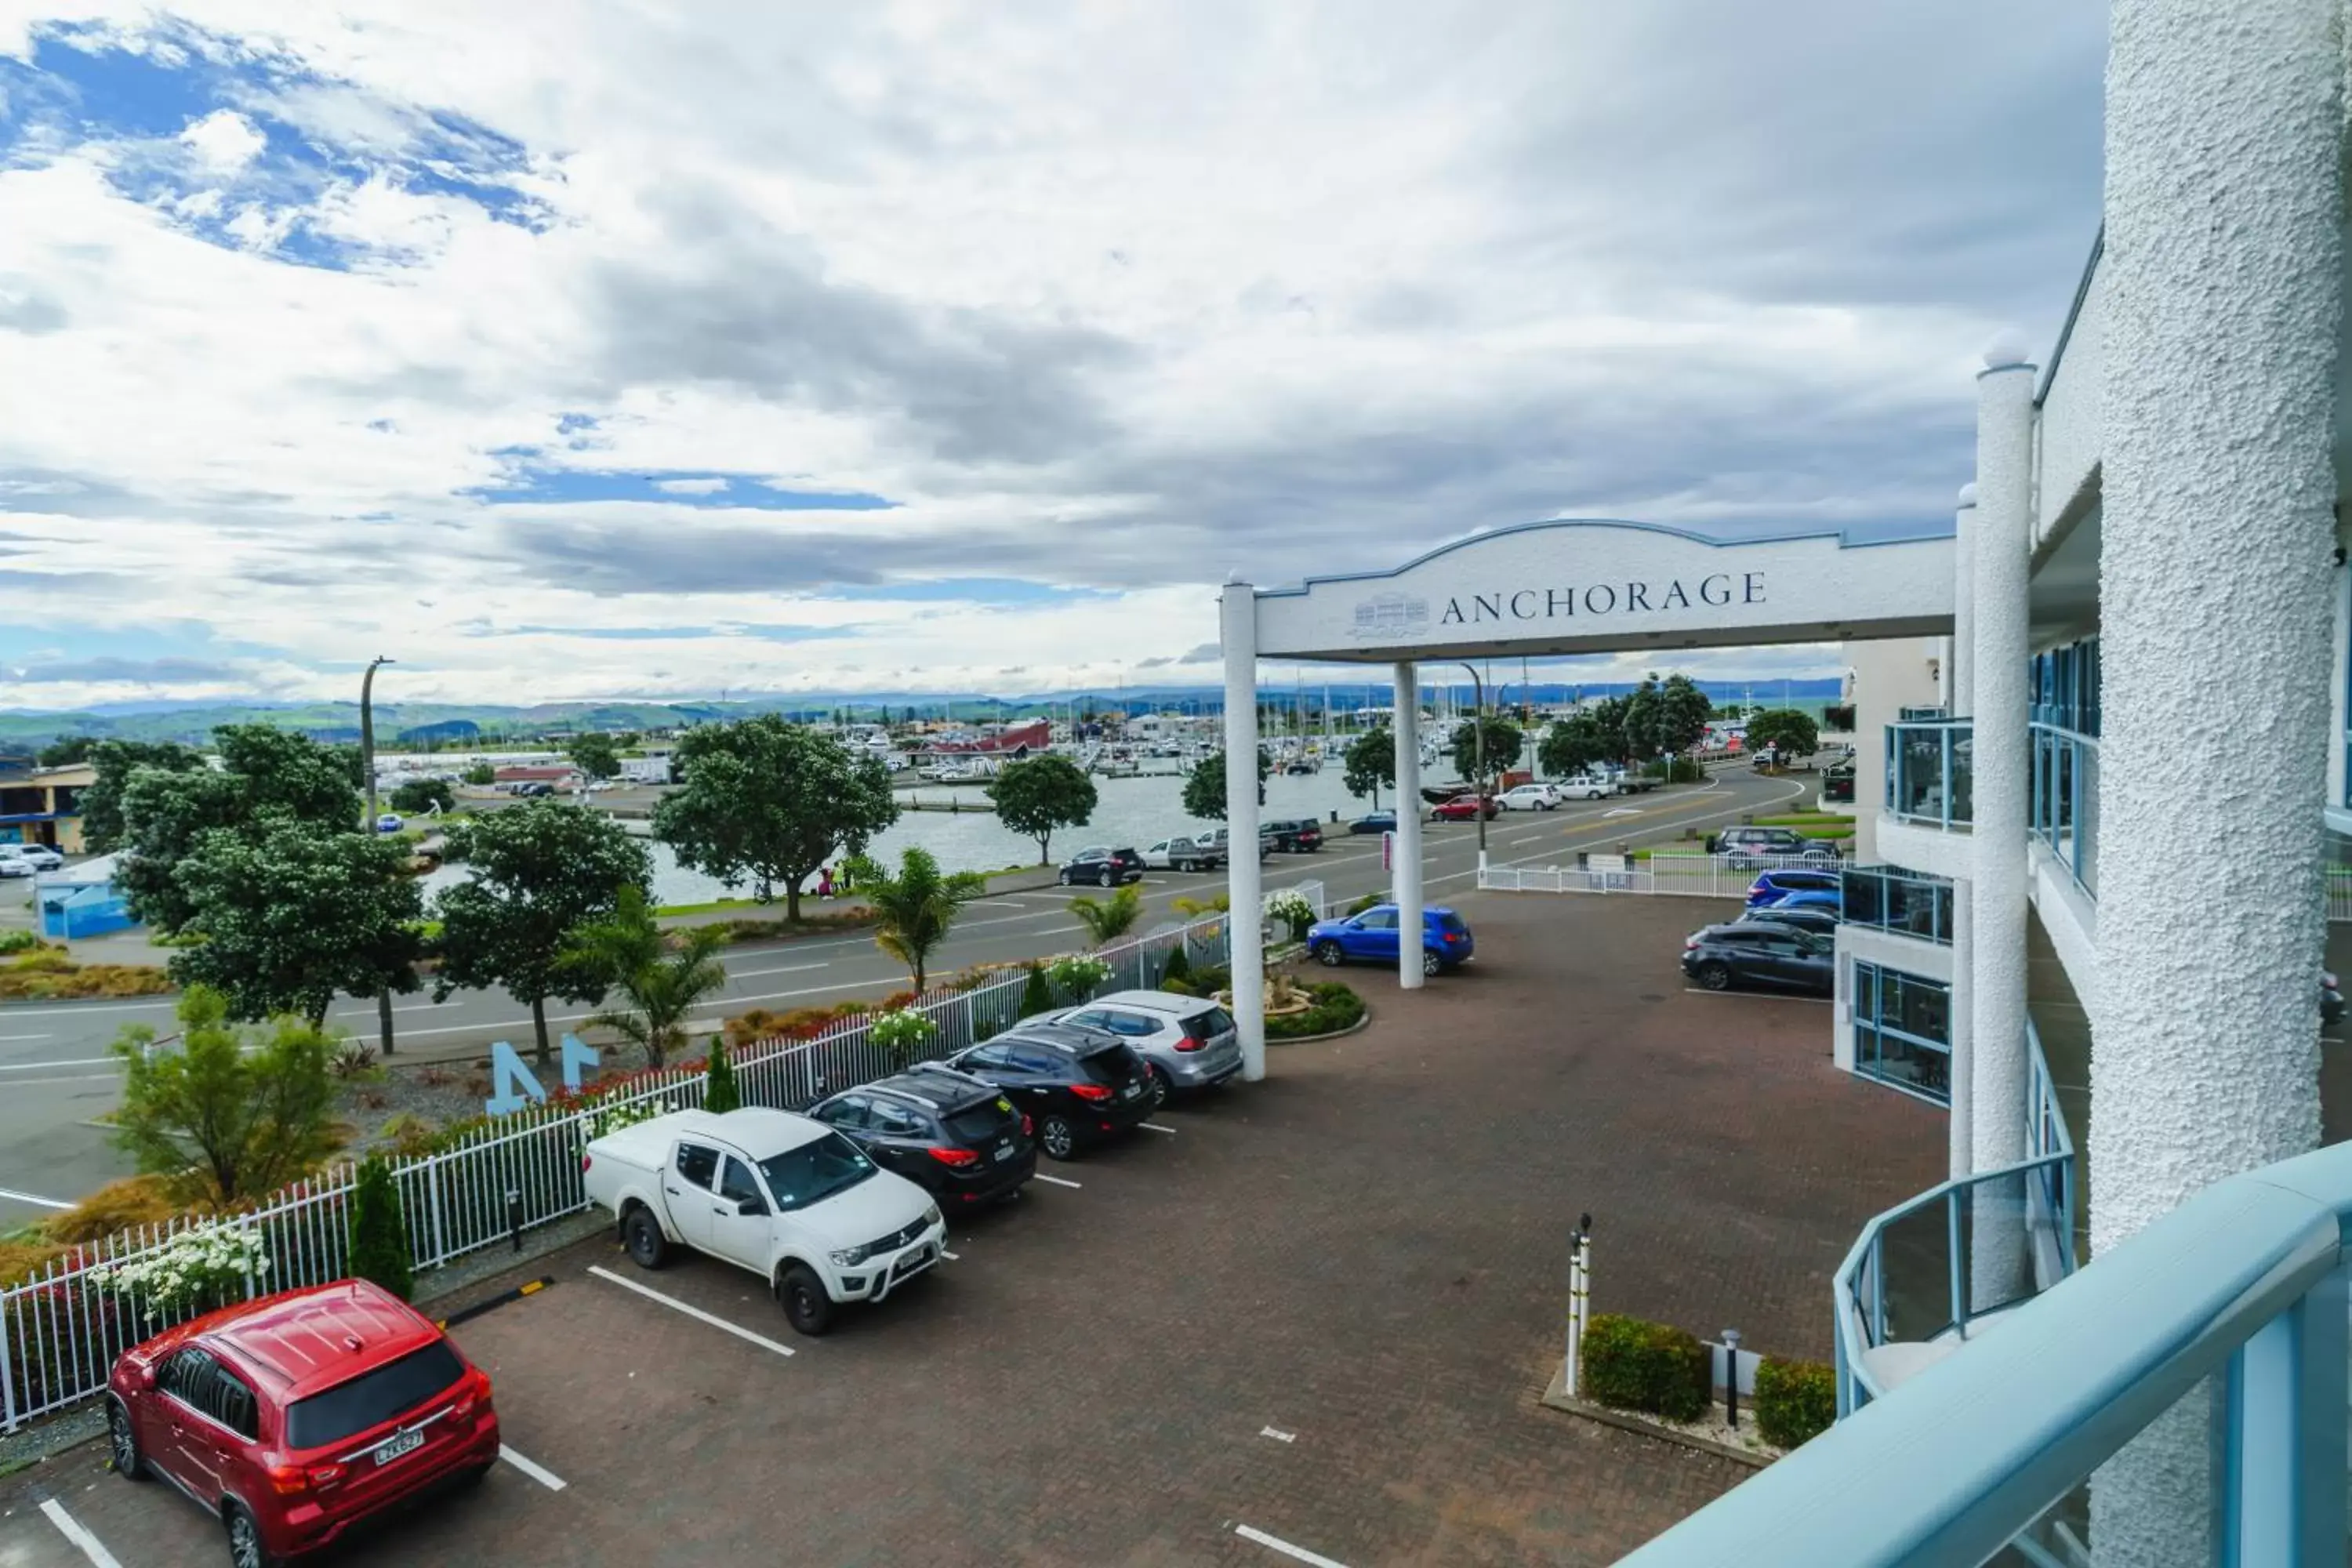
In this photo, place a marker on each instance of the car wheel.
(1065, 878)
(642, 1235)
(122, 1441)
(1430, 962)
(1057, 1138)
(1714, 977)
(245, 1547)
(801, 1295)
(1161, 1088)
(1327, 954)
(1109, 878)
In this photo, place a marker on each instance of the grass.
(711, 907)
(1806, 819)
(45, 974)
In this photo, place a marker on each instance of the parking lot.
(1312, 1313)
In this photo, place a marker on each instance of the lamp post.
(1478, 757)
(367, 769)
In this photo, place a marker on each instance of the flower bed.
(1330, 1008)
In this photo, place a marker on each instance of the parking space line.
(1277, 1434)
(951, 1256)
(29, 1199)
(1155, 1127)
(537, 1472)
(1299, 1552)
(1055, 1180)
(71, 1529)
(695, 1312)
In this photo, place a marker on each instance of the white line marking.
(1155, 1127)
(70, 1528)
(23, 1037)
(165, 1004)
(539, 1473)
(1316, 1558)
(787, 969)
(1279, 1436)
(951, 1256)
(1624, 810)
(75, 1062)
(29, 1199)
(1055, 1180)
(695, 1312)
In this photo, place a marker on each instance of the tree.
(1668, 718)
(231, 1113)
(1107, 920)
(482, 774)
(1041, 795)
(1371, 764)
(596, 755)
(771, 802)
(720, 1091)
(115, 762)
(914, 909)
(540, 870)
(1572, 745)
(420, 795)
(65, 751)
(291, 913)
(379, 1232)
(1794, 734)
(1036, 996)
(1503, 745)
(1204, 786)
(662, 976)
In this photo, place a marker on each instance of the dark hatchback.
(955, 1136)
(1819, 921)
(1301, 836)
(1761, 954)
(1078, 1086)
(1104, 868)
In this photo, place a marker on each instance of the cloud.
(135, 672)
(690, 487)
(223, 142)
(1203, 653)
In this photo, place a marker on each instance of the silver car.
(1186, 1042)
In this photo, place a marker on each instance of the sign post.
(1580, 1303)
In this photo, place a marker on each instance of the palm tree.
(914, 909)
(662, 977)
(1107, 920)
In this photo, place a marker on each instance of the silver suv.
(1186, 1042)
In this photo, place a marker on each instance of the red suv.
(296, 1415)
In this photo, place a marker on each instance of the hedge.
(1633, 1365)
(1794, 1400)
(1336, 1008)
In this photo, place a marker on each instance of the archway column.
(1237, 613)
(1404, 869)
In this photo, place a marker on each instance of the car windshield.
(815, 1170)
(371, 1398)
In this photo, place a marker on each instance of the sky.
(568, 351)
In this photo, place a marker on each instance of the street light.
(1478, 757)
(367, 767)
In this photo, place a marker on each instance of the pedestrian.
(824, 883)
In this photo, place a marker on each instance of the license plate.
(915, 1259)
(1005, 1152)
(405, 1443)
(1132, 1089)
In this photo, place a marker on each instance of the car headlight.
(932, 1216)
(851, 1256)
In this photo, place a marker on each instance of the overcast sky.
(576, 350)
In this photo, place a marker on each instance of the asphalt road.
(55, 1075)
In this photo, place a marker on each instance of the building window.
(1902, 1031)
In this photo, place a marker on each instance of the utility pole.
(1479, 764)
(367, 768)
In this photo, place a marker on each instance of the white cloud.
(690, 487)
(223, 142)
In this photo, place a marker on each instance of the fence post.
(432, 1205)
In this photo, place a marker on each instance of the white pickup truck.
(784, 1196)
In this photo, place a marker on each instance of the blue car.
(1374, 822)
(1374, 937)
(1773, 888)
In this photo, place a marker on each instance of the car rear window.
(373, 1398)
(1451, 922)
(1208, 1025)
(979, 1121)
(1110, 1062)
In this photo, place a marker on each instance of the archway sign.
(1571, 586)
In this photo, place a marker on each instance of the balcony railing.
(2066, 809)
(1928, 776)
(1904, 902)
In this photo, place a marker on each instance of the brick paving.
(1365, 1252)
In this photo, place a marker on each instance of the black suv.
(1302, 836)
(1104, 868)
(1078, 1086)
(1746, 847)
(1760, 954)
(948, 1133)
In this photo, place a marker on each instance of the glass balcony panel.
(1927, 774)
(1889, 900)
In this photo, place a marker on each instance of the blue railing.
(1926, 1275)
(2244, 1284)
(1928, 776)
(2066, 807)
(1905, 902)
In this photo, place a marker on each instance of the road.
(55, 1075)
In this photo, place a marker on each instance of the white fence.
(61, 1329)
(1694, 876)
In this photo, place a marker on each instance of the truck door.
(739, 1223)
(689, 1184)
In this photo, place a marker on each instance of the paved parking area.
(1318, 1311)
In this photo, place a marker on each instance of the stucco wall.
(1890, 674)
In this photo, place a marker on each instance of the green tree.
(914, 909)
(1107, 920)
(1571, 745)
(291, 913)
(65, 751)
(720, 1091)
(419, 795)
(1794, 733)
(1036, 996)
(1609, 714)
(482, 774)
(662, 976)
(1371, 764)
(115, 762)
(541, 870)
(1043, 794)
(1204, 786)
(597, 755)
(1663, 718)
(771, 802)
(230, 1113)
(379, 1231)
(1504, 743)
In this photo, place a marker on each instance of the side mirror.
(143, 1375)
(749, 1206)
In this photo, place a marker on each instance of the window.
(989, 1059)
(849, 1110)
(1132, 1025)
(1379, 919)
(697, 1163)
(897, 1120)
(1042, 1059)
(1901, 1030)
(373, 1398)
(736, 1185)
(815, 1170)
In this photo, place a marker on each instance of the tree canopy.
(770, 803)
(1503, 745)
(1371, 764)
(597, 755)
(1573, 745)
(915, 908)
(1204, 786)
(417, 795)
(1663, 717)
(115, 762)
(662, 976)
(1043, 794)
(1793, 733)
(234, 1113)
(65, 751)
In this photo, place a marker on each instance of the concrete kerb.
(1357, 1027)
(1555, 1396)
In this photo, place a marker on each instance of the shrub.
(719, 1093)
(1179, 967)
(409, 1133)
(1633, 1365)
(379, 1237)
(1291, 908)
(901, 1035)
(232, 1112)
(1178, 986)
(1035, 996)
(1367, 901)
(116, 1206)
(352, 1058)
(195, 1271)
(1335, 1007)
(1794, 1400)
(17, 941)
(1213, 978)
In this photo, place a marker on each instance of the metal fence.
(1693, 876)
(61, 1329)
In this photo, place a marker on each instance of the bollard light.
(1731, 1376)
(514, 1217)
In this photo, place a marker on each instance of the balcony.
(1928, 776)
(2065, 805)
(1904, 902)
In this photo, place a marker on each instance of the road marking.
(76, 1062)
(1753, 996)
(787, 969)
(1055, 1180)
(1315, 1559)
(1155, 1127)
(1279, 1437)
(1623, 811)
(78, 1077)
(30, 1198)
(23, 1037)
(164, 1005)
(70, 1528)
(539, 1473)
(951, 1256)
(695, 1312)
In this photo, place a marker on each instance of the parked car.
(948, 1133)
(1530, 798)
(1744, 848)
(1079, 1086)
(1374, 822)
(1771, 888)
(1181, 854)
(1634, 780)
(1587, 787)
(389, 822)
(1186, 1042)
(2331, 1000)
(1752, 953)
(295, 1415)
(1464, 808)
(782, 1195)
(1812, 918)
(1103, 866)
(1222, 840)
(1374, 936)
(40, 856)
(1296, 836)
(1837, 782)
(16, 864)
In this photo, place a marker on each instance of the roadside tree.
(420, 795)
(1043, 794)
(771, 802)
(541, 870)
(597, 755)
(1573, 745)
(662, 976)
(482, 774)
(230, 1113)
(1107, 920)
(1793, 733)
(914, 909)
(1204, 786)
(65, 751)
(1503, 745)
(1668, 716)
(379, 1232)
(1371, 764)
(115, 762)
